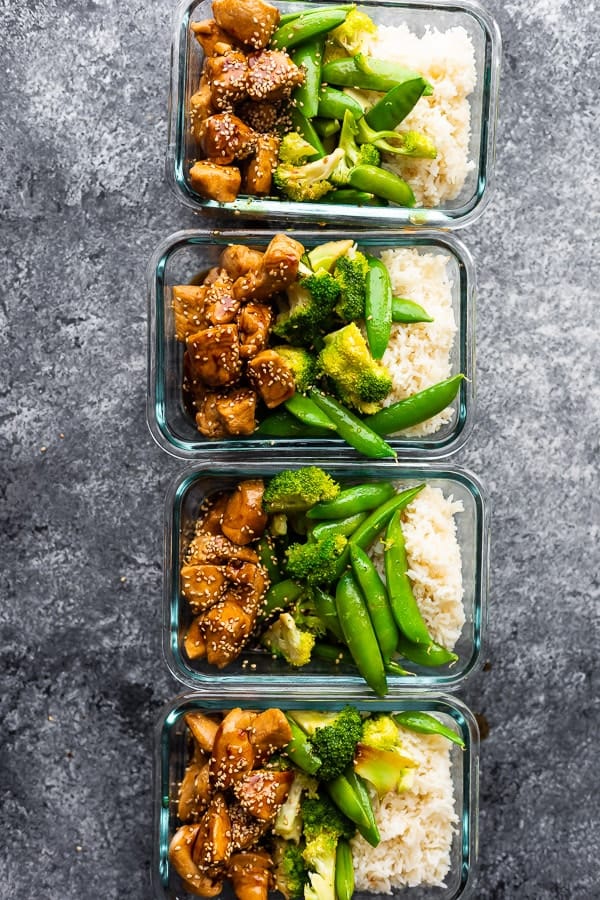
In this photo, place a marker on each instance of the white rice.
(434, 562)
(418, 355)
(416, 825)
(447, 60)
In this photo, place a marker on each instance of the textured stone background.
(84, 201)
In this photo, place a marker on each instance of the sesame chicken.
(251, 875)
(180, 857)
(254, 323)
(245, 829)
(238, 259)
(232, 757)
(212, 38)
(212, 847)
(188, 309)
(244, 519)
(221, 307)
(208, 420)
(262, 792)
(208, 548)
(261, 116)
(237, 411)
(226, 138)
(191, 803)
(278, 269)
(213, 182)
(211, 515)
(272, 378)
(270, 732)
(215, 355)
(203, 729)
(203, 586)
(272, 75)
(201, 107)
(193, 642)
(259, 174)
(227, 76)
(251, 22)
(226, 628)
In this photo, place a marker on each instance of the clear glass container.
(271, 676)
(180, 259)
(171, 758)
(186, 66)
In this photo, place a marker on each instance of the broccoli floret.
(303, 365)
(350, 33)
(324, 825)
(290, 870)
(309, 181)
(294, 150)
(408, 143)
(354, 155)
(296, 490)
(359, 380)
(285, 639)
(380, 758)
(311, 301)
(334, 737)
(316, 562)
(350, 273)
(288, 821)
(320, 814)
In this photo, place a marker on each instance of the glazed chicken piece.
(250, 874)
(212, 846)
(208, 420)
(254, 323)
(201, 107)
(252, 22)
(260, 115)
(220, 183)
(203, 730)
(233, 755)
(244, 519)
(215, 355)
(259, 174)
(246, 831)
(227, 76)
(227, 627)
(262, 792)
(203, 586)
(278, 268)
(217, 549)
(211, 515)
(237, 411)
(212, 38)
(220, 306)
(269, 733)
(193, 796)
(180, 856)
(272, 75)
(188, 309)
(237, 260)
(272, 378)
(193, 641)
(225, 138)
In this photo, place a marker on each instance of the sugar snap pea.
(367, 73)
(268, 558)
(394, 107)
(432, 655)
(306, 129)
(366, 533)
(326, 127)
(280, 596)
(283, 425)
(327, 612)
(415, 409)
(308, 56)
(300, 749)
(308, 412)
(351, 429)
(423, 723)
(333, 103)
(408, 311)
(402, 600)
(339, 656)
(354, 197)
(345, 526)
(378, 306)
(344, 871)
(376, 597)
(382, 183)
(359, 634)
(358, 498)
(308, 25)
(352, 798)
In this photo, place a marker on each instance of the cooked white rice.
(434, 562)
(416, 825)
(418, 355)
(447, 60)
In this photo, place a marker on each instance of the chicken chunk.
(226, 138)
(259, 174)
(211, 514)
(227, 76)
(263, 117)
(232, 757)
(191, 803)
(251, 22)
(212, 846)
(254, 323)
(215, 355)
(221, 307)
(203, 586)
(188, 309)
(193, 642)
(272, 75)
(217, 549)
(212, 38)
(238, 259)
(208, 421)
(203, 730)
(270, 375)
(279, 267)
(263, 791)
(244, 519)
(201, 107)
(245, 829)
(250, 874)
(180, 856)
(270, 732)
(227, 628)
(237, 411)
(213, 182)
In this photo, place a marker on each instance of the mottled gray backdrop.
(84, 201)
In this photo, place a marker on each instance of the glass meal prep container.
(258, 667)
(171, 757)
(186, 66)
(185, 255)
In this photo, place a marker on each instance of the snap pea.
(344, 871)
(282, 424)
(333, 103)
(366, 73)
(354, 197)
(408, 311)
(376, 598)
(366, 533)
(308, 25)
(358, 498)
(378, 307)
(268, 558)
(327, 612)
(394, 107)
(371, 833)
(394, 668)
(353, 800)
(351, 429)
(308, 412)
(326, 127)
(308, 56)
(425, 724)
(415, 409)
(432, 655)
(339, 655)
(402, 600)
(359, 634)
(300, 750)
(280, 596)
(345, 526)
(306, 129)
(288, 17)
(382, 183)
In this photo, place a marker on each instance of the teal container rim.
(313, 684)
(324, 213)
(427, 701)
(291, 448)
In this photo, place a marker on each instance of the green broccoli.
(359, 380)
(285, 639)
(324, 825)
(309, 181)
(334, 737)
(303, 365)
(354, 155)
(350, 273)
(408, 143)
(294, 150)
(311, 301)
(316, 562)
(288, 821)
(350, 33)
(290, 870)
(296, 490)
(380, 758)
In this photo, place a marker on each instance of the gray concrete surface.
(83, 202)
